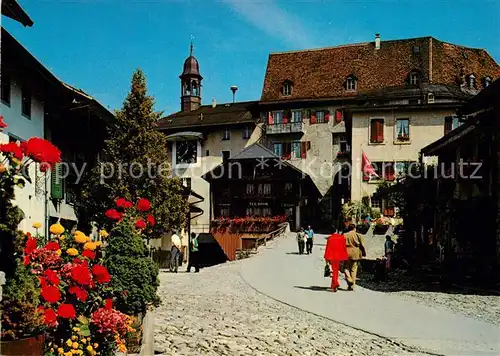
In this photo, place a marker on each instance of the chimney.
(234, 89)
(214, 104)
(377, 41)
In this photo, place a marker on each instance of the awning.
(185, 136)
(12, 9)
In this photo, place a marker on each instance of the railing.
(271, 235)
(279, 128)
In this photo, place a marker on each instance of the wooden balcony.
(290, 127)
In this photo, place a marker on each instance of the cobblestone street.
(215, 312)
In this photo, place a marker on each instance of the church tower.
(191, 83)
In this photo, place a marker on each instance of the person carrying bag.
(355, 251)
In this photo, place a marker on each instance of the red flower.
(42, 151)
(30, 246)
(66, 311)
(50, 293)
(101, 274)
(50, 317)
(143, 205)
(52, 246)
(3, 125)
(26, 260)
(52, 277)
(89, 254)
(12, 148)
(124, 203)
(80, 293)
(81, 274)
(151, 220)
(140, 224)
(108, 304)
(110, 321)
(113, 214)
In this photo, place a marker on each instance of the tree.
(134, 165)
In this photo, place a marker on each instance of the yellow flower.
(96, 345)
(2, 168)
(72, 251)
(69, 353)
(60, 351)
(76, 329)
(58, 252)
(69, 342)
(98, 243)
(75, 345)
(84, 341)
(52, 349)
(122, 348)
(61, 237)
(88, 339)
(37, 225)
(103, 234)
(90, 246)
(74, 338)
(90, 348)
(56, 229)
(80, 237)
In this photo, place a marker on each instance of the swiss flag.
(367, 168)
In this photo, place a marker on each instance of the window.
(296, 149)
(288, 150)
(451, 123)
(296, 115)
(288, 187)
(267, 189)
(277, 117)
(246, 132)
(384, 170)
(430, 98)
(287, 88)
(227, 134)
(376, 203)
(350, 84)
(320, 116)
(26, 103)
(224, 211)
(250, 189)
(186, 152)
(225, 155)
(402, 130)
(377, 131)
(487, 82)
(207, 153)
(5, 95)
(278, 149)
(472, 81)
(414, 78)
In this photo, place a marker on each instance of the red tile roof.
(321, 73)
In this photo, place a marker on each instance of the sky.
(96, 45)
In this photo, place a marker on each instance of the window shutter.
(303, 151)
(313, 118)
(389, 171)
(56, 182)
(380, 131)
(308, 145)
(338, 116)
(373, 131)
(270, 118)
(327, 116)
(448, 124)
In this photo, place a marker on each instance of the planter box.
(380, 229)
(362, 229)
(147, 339)
(31, 346)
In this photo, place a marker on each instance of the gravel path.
(215, 312)
(466, 302)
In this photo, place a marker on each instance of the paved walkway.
(280, 273)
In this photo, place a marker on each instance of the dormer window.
(351, 83)
(287, 88)
(414, 77)
(471, 81)
(487, 82)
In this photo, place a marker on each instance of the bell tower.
(191, 83)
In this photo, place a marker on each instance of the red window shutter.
(270, 118)
(285, 120)
(303, 151)
(373, 131)
(338, 115)
(327, 116)
(313, 118)
(380, 130)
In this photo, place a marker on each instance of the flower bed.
(247, 224)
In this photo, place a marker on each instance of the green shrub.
(135, 275)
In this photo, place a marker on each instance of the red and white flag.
(367, 167)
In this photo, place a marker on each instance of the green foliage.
(134, 147)
(135, 275)
(355, 210)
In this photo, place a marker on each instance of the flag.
(367, 168)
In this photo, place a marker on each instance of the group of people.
(176, 253)
(305, 239)
(345, 251)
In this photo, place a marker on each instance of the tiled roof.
(321, 73)
(206, 115)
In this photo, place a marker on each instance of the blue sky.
(96, 45)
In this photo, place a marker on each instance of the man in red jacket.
(335, 252)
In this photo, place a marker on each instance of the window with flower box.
(291, 150)
(402, 130)
(296, 115)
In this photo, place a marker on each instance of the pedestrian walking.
(388, 251)
(309, 239)
(194, 260)
(335, 253)
(175, 252)
(355, 252)
(301, 240)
